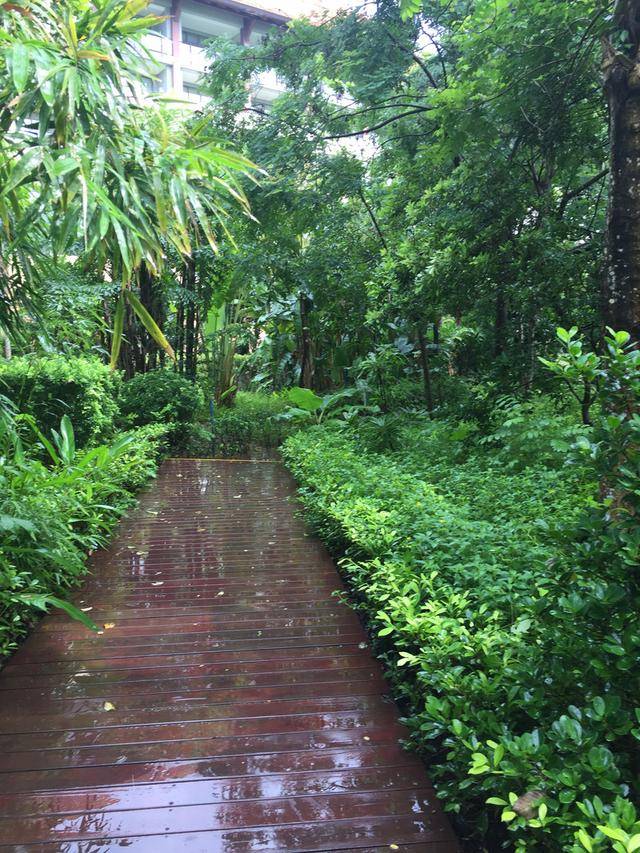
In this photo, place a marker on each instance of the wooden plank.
(231, 702)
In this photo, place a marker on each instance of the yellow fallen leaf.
(108, 625)
(221, 592)
(109, 706)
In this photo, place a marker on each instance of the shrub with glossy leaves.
(510, 643)
(49, 387)
(160, 396)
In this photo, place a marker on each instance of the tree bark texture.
(621, 70)
(426, 371)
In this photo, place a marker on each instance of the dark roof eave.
(248, 11)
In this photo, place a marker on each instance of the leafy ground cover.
(510, 652)
(57, 503)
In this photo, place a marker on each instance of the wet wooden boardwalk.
(230, 703)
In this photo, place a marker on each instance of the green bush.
(192, 441)
(160, 396)
(50, 387)
(51, 515)
(249, 421)
(514, 657)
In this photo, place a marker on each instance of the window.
(194, 93)
(194, 39)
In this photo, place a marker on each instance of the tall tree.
(621, 65)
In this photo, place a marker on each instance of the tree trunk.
(426, 371)
(306, 355)
(6, 346)
(500, 325)
(180, 337)
(585, 405)
(621, 284)
(190, 326)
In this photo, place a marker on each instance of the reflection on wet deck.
(229, 702)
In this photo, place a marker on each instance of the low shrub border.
(513, 691)
(53, 514)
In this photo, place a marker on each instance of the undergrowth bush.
(49, 387)
(52, 514)
(513, 652)
(160, 396)
(249, 421)
(192, 441)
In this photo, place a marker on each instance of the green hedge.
(49, 387)
(160, 396)
(51, 515)
(495, 639)
(249, 422)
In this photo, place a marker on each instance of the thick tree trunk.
(6, 346)
(621, 286)
(426, 371)
(306, 354)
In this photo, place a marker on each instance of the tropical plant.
(80, 160)
(52, 514)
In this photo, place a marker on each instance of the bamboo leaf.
(149, 323)
(20, 62)
(24, 168)
(93, 54)
(42, 601)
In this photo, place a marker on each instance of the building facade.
(177, 43)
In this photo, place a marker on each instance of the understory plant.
(57, 503)
(503, 601)
(48, 387)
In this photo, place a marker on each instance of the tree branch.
(375, 126)
(372, 216)
(569, 196)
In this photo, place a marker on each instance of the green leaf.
(150, 324)
(613, 832)
(68, 444)
(409, 8)
(23, 169)
(304, 398)
(9, 523)
(42, 601)
(20, 63)
(584, 839)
